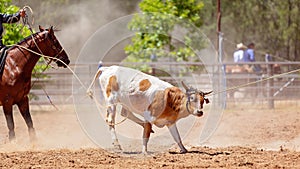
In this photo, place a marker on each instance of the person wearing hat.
(240, 55)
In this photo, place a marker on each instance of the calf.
(158, 102)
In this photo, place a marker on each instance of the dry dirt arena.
(245, 138)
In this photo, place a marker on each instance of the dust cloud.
(77, 20)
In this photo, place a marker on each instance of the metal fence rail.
(58, 85)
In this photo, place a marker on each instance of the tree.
(153, 28)
(273, 25)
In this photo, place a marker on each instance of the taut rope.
(258, 81)
(54, 58)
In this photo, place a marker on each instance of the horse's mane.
(27, 38)
(30, 37)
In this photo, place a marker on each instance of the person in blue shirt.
(250, 52)
(251, 57)
(9, 18)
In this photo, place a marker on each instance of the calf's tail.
(89, 90)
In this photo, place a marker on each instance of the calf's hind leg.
(110, 119)
(146, 136)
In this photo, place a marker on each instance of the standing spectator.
(240, 55)
(250, 52)
(251, 56)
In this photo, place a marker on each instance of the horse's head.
(53, 47)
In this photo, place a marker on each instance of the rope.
(111, 124)
(26, 22)
(54, 58)
(258, 81)
(284, 86)
(48, 97)
(25, 19)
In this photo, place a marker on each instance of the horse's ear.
(51, 31)
(41, 28)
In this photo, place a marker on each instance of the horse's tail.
(89, 91)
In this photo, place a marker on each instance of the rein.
(50, 57)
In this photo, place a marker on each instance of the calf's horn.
(208, 93)
(184, 85)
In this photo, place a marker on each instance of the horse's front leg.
(23, 106)
(7, 108)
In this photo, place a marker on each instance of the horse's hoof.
(11, 136)
(32, 135)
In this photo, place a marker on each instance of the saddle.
(3, 54)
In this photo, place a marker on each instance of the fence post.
(270, 82)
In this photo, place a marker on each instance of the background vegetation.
(273, 25)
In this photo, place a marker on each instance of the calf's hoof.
(183, 151)
(117, 146)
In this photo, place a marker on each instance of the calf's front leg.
(175, 134)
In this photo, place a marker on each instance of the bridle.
(53, 46)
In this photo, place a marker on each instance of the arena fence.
(243, 85)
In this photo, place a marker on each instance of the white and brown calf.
(157, 101)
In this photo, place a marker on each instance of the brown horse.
(15, 80)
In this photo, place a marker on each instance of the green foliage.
(13, 33)
(153, 30)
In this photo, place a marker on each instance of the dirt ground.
(245, 138)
